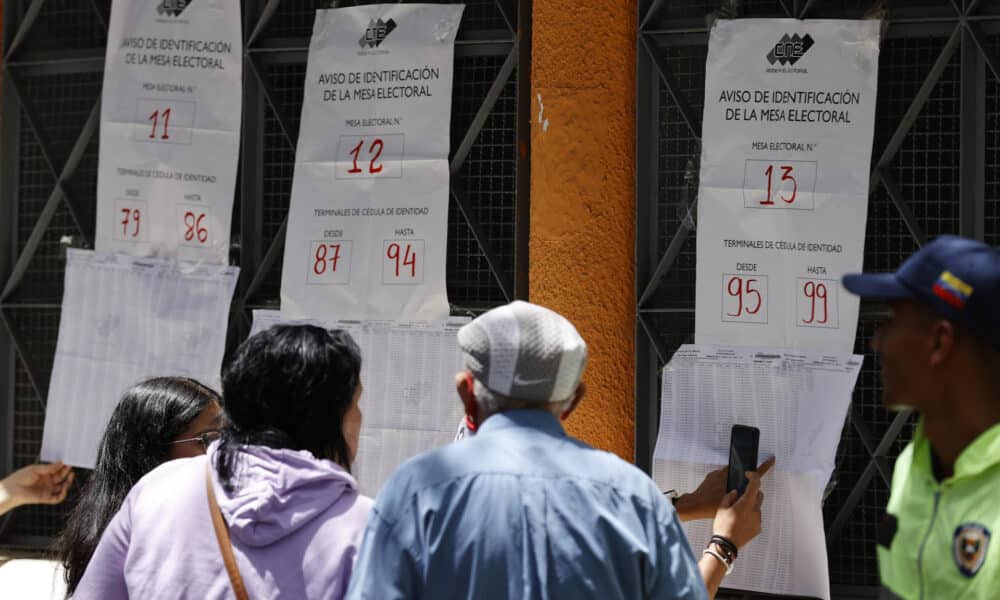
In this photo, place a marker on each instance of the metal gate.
(53, 68)
(934, 171)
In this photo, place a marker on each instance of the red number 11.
(155, 118)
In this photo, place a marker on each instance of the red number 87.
(737, 289)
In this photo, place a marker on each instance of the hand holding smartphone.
(743, 444)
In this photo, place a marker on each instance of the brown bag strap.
(225, 544)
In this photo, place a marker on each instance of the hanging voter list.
(409, 400)
(125, 319)
(170, 126)
(367, 226)
(799, 401)
(782, 203)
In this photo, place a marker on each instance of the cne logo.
(790, 49)
(174, 8)
(376, 33)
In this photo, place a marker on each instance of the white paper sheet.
(125, 319)
(783, 192)
(789, 556)
(799, 402)
(369, 205)
(409, 403)
(170, 128)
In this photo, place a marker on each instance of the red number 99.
(815, 292)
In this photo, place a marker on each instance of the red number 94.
(408, 258)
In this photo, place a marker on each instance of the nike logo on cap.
(519, 381)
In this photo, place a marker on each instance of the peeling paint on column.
(541, 110)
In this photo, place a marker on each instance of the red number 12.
(375, 150)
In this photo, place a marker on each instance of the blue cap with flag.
(957, 277)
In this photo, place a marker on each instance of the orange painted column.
(582, 239)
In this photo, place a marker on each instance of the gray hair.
(490, 402)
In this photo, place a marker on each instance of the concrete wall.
(582, 197)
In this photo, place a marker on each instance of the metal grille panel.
(678, 170)
(52, 82)
(69, 24)
(992, 196)
(931, 69)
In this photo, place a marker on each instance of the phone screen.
(742, 456)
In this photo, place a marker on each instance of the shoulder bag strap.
(222, 535)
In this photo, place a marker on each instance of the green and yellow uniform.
(938, 542)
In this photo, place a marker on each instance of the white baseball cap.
(524, 351)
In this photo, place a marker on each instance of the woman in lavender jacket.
(281, 474)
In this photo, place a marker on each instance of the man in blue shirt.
(523, 511)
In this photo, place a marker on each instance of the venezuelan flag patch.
(952, 290)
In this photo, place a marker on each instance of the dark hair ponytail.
(148, 417)
(289, 387)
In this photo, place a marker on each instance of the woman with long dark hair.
(155, 421)
(272, 511)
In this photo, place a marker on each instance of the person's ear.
(465, 386)
(577, 396)
(944, 341)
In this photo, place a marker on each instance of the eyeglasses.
(204, 438)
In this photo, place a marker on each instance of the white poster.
(798, 401)
(126, 319)
(783, 197)
(367, 225)
(170, 128)
(409, 404)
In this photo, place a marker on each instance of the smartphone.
(743, 443)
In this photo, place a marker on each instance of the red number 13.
(786, 175)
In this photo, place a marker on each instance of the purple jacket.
(296, 523)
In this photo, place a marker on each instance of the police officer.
(940, 355)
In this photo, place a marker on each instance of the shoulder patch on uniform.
(969, 547)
